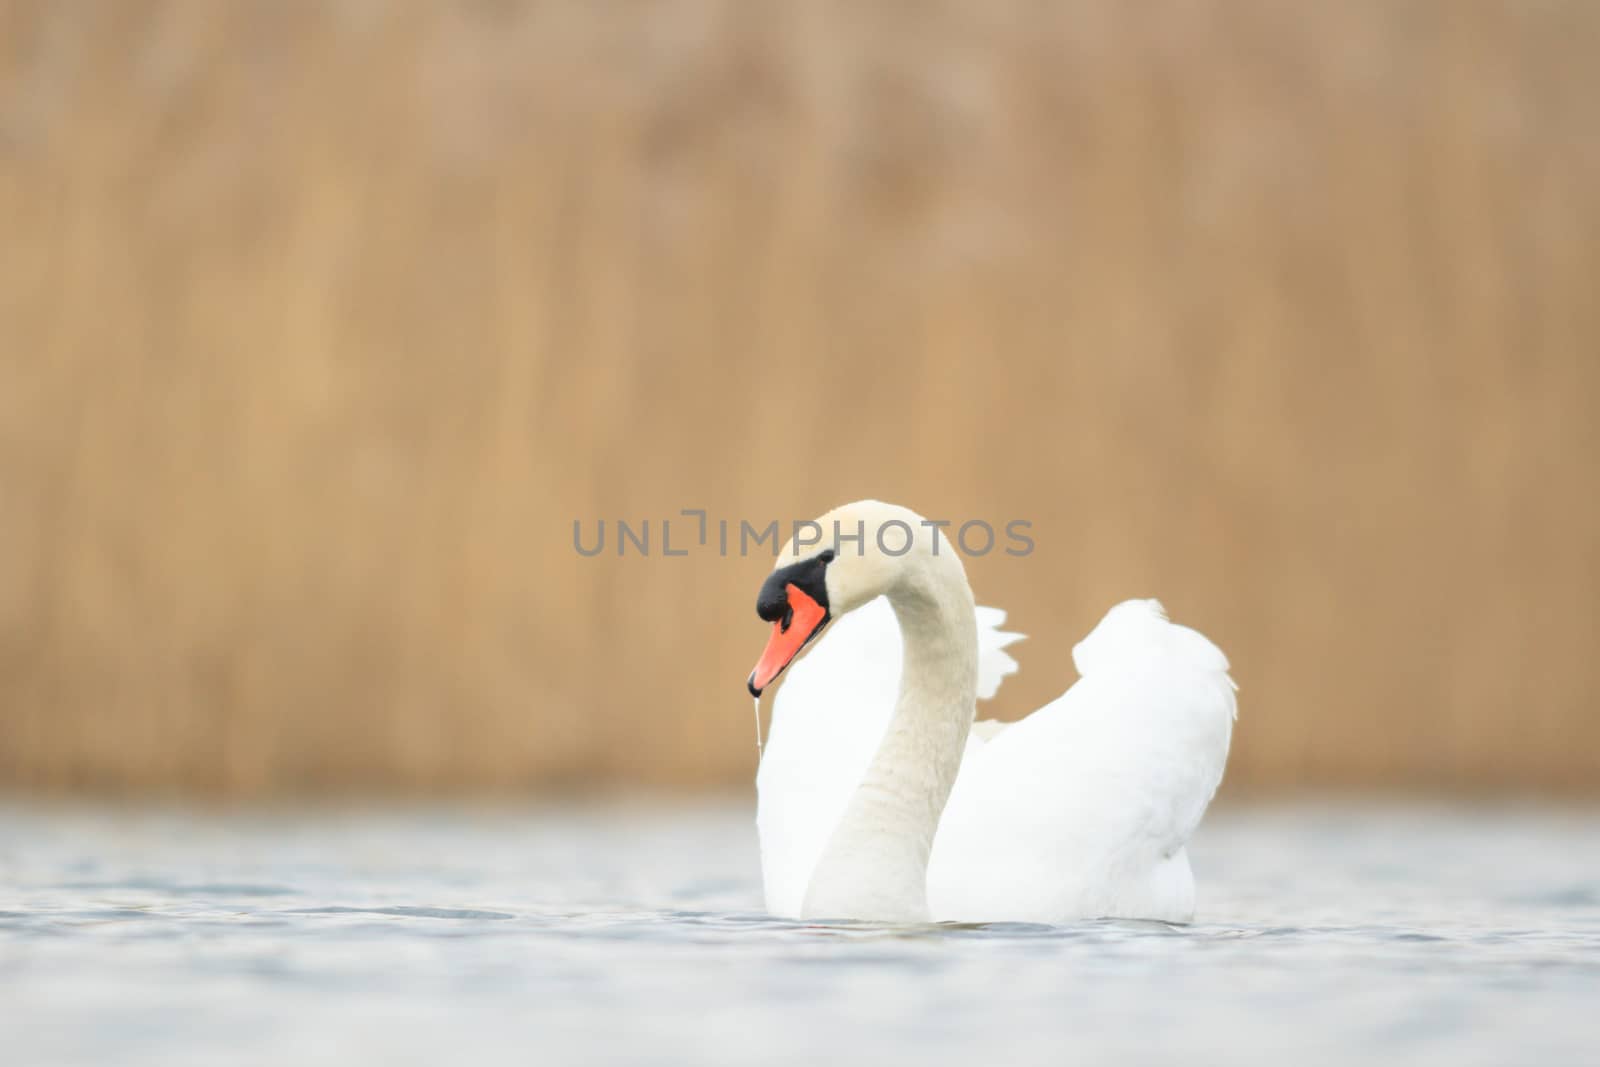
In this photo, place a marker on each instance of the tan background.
(321, 323)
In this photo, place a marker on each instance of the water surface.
(634, 934)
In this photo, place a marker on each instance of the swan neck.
(875, 864)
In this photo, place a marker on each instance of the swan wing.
(994, 662)
(1083, 809)
(828, 718)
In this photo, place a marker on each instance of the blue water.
(633, 934)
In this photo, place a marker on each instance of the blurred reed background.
(320, 323)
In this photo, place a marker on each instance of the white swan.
(880, 799)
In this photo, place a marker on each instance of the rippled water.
(634, 934)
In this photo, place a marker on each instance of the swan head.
(833, 565)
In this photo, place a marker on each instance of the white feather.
(827, 719)
(1081, 809)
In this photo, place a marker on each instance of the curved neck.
(875, 865)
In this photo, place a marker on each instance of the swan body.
(880, 798)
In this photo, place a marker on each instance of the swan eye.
(827, 555)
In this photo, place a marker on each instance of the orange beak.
(789, 635)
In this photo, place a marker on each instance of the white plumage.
(1082, 809)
